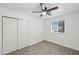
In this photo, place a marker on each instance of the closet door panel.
(9, 35)
(23, 33)
(0, 35)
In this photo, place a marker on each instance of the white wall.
(35, 34)
(71, 36)
(36, 31)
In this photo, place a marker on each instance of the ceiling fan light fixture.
(44, 13)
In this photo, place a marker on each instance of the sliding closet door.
(23, 33)
(9, 35)
(0, 36)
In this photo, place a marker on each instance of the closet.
(9, 29)
(15, 34)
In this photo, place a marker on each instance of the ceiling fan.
(44, 10)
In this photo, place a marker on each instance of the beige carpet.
(45, 48)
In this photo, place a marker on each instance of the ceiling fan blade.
(53, 8)
(42, 6)
(36, 11)
(41, 15)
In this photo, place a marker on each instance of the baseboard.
(35, 42)
(62, 45)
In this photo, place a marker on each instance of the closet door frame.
(2, 30)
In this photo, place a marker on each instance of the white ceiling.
(27, 8)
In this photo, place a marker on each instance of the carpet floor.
(45, 48)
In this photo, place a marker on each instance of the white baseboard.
(34, 42)
(62, 44)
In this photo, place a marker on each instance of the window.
(57, 26)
